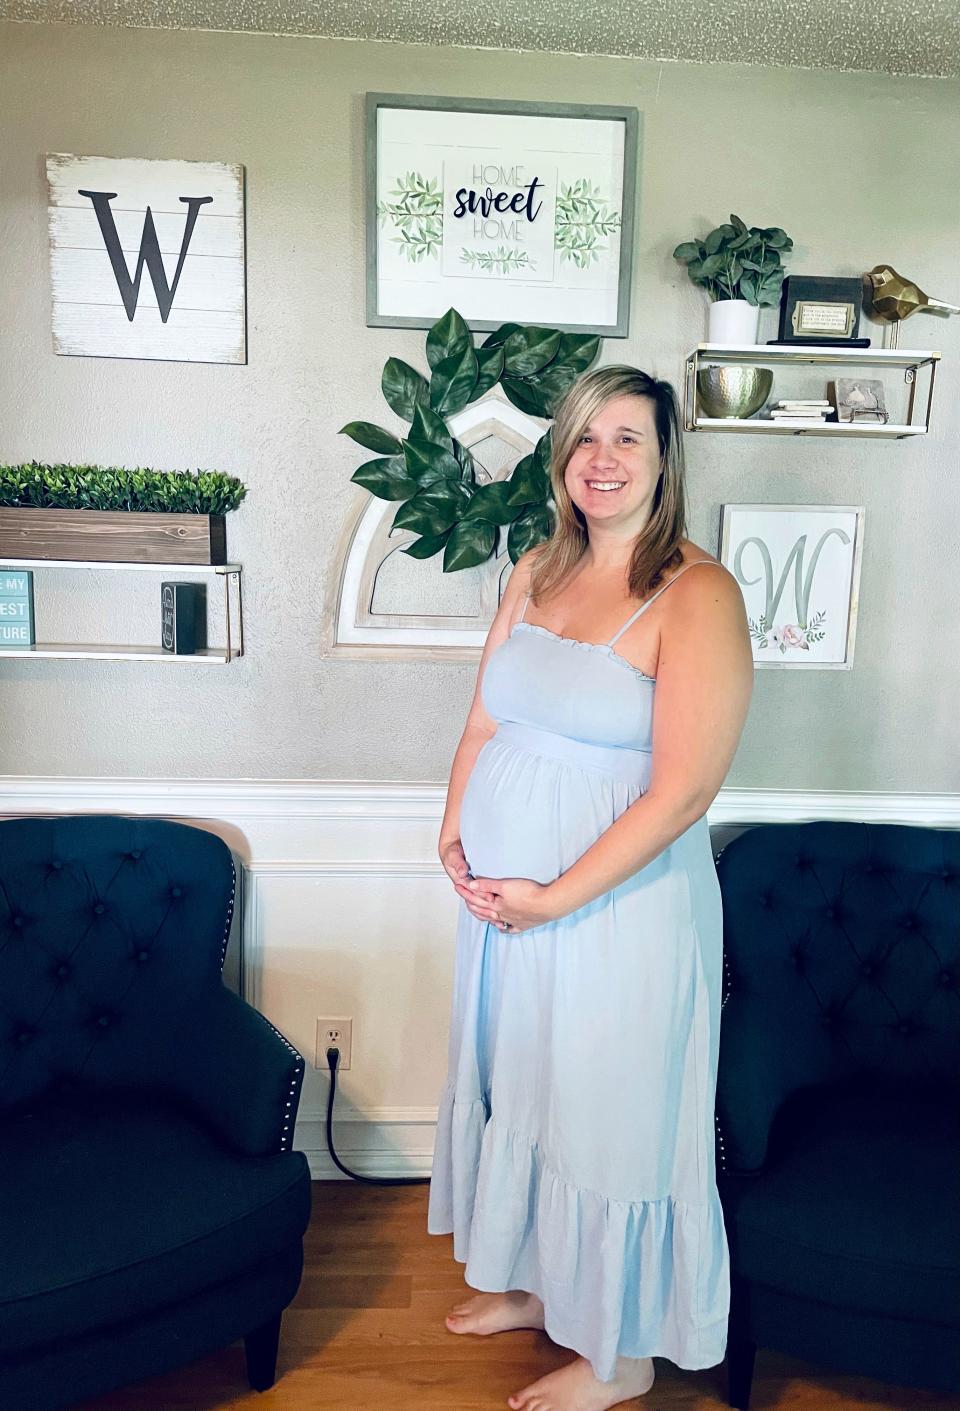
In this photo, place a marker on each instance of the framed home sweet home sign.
(147, 258)
(508, 212)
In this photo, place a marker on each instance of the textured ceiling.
(912, 37)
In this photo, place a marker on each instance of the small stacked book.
(801, 413)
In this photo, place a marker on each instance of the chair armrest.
(242, 1075)
(753, 1082)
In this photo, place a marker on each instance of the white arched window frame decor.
(368, 541)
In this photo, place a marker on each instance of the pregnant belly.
(528, 815)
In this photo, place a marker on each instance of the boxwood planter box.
(124, 536)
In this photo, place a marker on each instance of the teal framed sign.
(16, 608)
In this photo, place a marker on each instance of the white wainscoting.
(346, 911)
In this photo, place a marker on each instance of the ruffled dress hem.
(616, 1278)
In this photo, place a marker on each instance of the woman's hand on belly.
(512, 903)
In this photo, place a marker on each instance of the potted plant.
(741, 270)
(97, 513)
(435, 477)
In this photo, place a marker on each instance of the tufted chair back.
(842, 965)
(112, 930)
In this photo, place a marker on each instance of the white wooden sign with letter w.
(147, 259)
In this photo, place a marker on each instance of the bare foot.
(575, 1388)
(496, 1313)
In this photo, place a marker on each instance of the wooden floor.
(366, 1333)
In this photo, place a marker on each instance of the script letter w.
(149, 252)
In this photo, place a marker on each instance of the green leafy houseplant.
(733, 262)
(94, 487)
(433, 474)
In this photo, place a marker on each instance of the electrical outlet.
(334, 1033)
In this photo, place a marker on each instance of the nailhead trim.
(226, 929)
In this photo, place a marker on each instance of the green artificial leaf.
(542, 453)
(702, 270)
(491, 503)
(433, 510)
(527, 484)
(490, 363)
(528, 350)
(500, 335)
(738, 224)
(448, 338)
(578, 350)
(525, 395)
(714, 240)
(427, 426)
(453, 380)
(426, 462)
(748, 288)
(530, 529)
(687, 251)
(551, 386)
(386, 478)
(428, 545)
(468, 467)
(471, 543)
(403, 387)
(373, 437)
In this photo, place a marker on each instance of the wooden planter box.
(126, 536)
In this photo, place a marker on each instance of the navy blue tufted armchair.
(151, 1208)
(838, 1123)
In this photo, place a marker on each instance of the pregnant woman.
(574, 1159)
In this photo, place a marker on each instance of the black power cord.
(333, 1058)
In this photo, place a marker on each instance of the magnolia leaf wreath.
(433, 474)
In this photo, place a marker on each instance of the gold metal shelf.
(711, 354)
(100, 651)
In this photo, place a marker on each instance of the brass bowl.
(731, 392)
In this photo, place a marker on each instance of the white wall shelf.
(230, 573)
(719, 354)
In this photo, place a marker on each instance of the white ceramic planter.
(733, 321)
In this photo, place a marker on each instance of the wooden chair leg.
(740, 1359)
(261, 1347)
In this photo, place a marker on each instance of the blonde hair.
(657, 546)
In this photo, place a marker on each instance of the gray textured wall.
(856, 167)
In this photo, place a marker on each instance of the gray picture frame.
(631, 119)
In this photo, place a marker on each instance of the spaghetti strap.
(526, 599)
(643, 606)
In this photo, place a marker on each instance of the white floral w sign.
(798, 567)
(147, 259)
(507, 212)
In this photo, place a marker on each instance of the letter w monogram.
(149, 252)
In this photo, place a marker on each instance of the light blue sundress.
(574, 1151)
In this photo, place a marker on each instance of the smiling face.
(612, 473)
